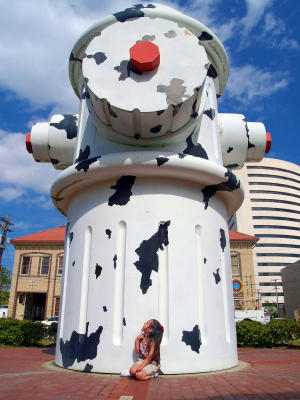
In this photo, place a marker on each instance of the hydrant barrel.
(147, 192)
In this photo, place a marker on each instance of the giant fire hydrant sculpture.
(147, 189)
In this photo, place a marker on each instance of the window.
(60, 264)
(272, 168)
(235, 265)
(238, 301)
(270, 284)
(56, 305)
(45, 264)
(273, 176)
(25, 265)
(270, 235)
(276, 218)
(275, 209)
(21, 298)
(293, 228)
(278, 255)
(275, 192)
(272, 294)
(273, 264)
(274, 184)
(291, 246)
(293, 203)
(269, 274)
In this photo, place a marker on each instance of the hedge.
(24, 333)
(249, 333)
(276, 333)
(52, 330)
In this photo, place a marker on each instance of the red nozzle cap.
(268, 142)
(144, 56)
(28, 143)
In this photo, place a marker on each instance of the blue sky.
(262, 40)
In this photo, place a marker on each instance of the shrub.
(21, 333)
(32, 332)
(249, 333)
(10, 332)
(52, 330)
(276, 333)
(284, 329)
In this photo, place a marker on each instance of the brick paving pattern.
(273, 375)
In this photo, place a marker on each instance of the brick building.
(36, 281)
(241, 251)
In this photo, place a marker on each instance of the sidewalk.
(274, 374)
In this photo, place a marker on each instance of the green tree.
(5, 279)
(272, 308)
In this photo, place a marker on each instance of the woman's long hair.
(156, 336)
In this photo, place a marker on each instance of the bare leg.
(142, 376)
(133, 369)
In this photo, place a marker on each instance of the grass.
(42, 343)
(295, 343)
(46, 342)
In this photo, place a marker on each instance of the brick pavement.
(273, 375)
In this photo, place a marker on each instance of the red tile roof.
(233, 235)
(57, 235)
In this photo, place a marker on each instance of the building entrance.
(35, 306)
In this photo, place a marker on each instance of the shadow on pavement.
(49, 350)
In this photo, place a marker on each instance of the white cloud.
(202, 10)
(22, 225)
(272, 31)
(36, 40)
(276, 32)
(10, 193)
(255, 11)
(249, 83)
(273, 25)
(40, 201)
(18, 169)
(290, 44)
(225, 31)
(206, 11)
(22, 180)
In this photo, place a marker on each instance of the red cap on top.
(144, 56)
(28, 143)
(268, 142)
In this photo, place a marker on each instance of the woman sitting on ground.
(147, 346)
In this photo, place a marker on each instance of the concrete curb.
(50, 365)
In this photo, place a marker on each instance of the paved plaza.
(29, 374)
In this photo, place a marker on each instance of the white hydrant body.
(147, 197)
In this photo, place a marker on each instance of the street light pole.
(276, 295)
(5, 228)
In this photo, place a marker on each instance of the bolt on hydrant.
(147, 187)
